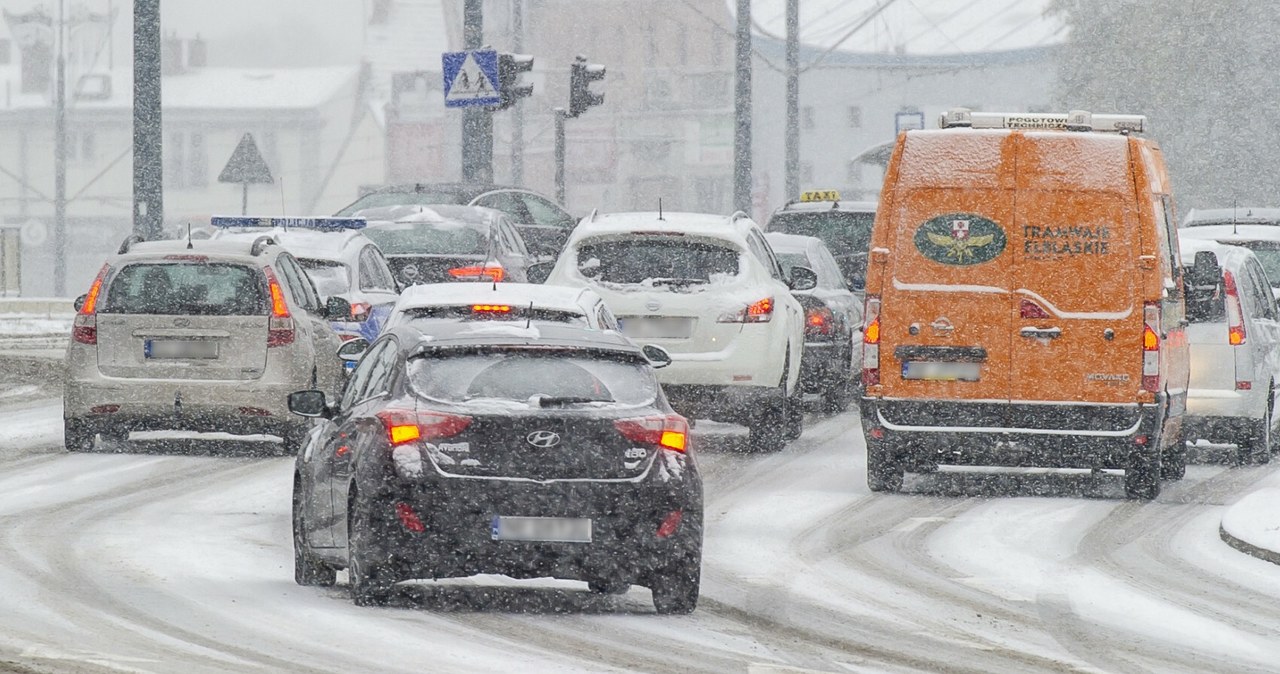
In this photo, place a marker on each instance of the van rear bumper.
(1012, 434)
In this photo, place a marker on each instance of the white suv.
(197, 336)
(708, 289)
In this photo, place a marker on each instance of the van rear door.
(1075, 308)
(944, 318)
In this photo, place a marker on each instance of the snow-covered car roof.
(792, 242)
(706, 225)
(177, 250)
(436, 213)
(1227, 255)
(1231, 233)
(554, 298)
(1241, 215)
(810, 206)
(339, 246)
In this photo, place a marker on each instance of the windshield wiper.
(676, 281)
(556, 401)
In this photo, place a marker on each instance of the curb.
(1248, 548)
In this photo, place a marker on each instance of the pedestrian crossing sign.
(471, 78)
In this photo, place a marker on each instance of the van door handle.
(1041, 333)
(942, 326)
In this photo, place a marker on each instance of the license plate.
(542, 529)
(156, 349)
(940, 371)
(648, 327)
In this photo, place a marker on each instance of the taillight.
(84, 329)
(1029, 309)
(669, 432)
(818, 321)
(280, 323)
(1235, 313)
(760, 311)
(405, 426)
(1151, 347)
(360, 311)
(488, 272)
(871, 342)
(490, 308)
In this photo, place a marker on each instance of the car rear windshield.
(844, 232)
(657, 260)
(532, 378)
(198, 288)
(495, 313)
(331, 278)
(1268, 254)
(424, 198)
(430, 238)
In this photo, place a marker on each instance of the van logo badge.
(960, 239)
(543, 439)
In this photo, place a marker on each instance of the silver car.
(206, 336)
(1233, 328)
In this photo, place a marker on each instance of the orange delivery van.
(1024, 301)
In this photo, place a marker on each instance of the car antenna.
(659, 208)
(1233, 216)
(283, 212)
(189, 246)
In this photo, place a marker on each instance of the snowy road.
(160, 562)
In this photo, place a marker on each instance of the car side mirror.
(308, 404)
(351, 351)
(656, 355)
(337, 309)
(802, 278)
(855, 284)
(79, 302)
(539, 272)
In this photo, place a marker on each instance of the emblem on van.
(960, 239)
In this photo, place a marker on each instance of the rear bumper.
(997, 434)
(1207, 402)
(750, 358)
(206, 406)
(823, 367)
(734, 404)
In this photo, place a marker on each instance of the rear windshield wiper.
(557, 401)
(676, 281)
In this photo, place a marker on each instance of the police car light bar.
(1076, 120)
(319, 224)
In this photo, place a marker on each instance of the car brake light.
(493, 273)
(818, 321)
(84, 330)
(871, 342)
(760, 311)
(360, 311)
(1235, 313)
(490, 309)
(670, 524)
(1029, 309)
(1151, 347)
(405, 426)
(409, 519)
(669, 432)
(280, 324)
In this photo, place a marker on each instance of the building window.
(808, 120)
(806, 172)
(381, 12)
(855, 117)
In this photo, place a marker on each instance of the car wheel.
(1142, 476)
(1173, 465)
(1255, 443)
(675, 587)
(77, 436)
(794, 411)
(885, 471)
(307, 571)
(369, 582)
(767, 431)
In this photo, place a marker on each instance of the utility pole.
(148, 166)
(517, 114)
(561, 115)
(477, 122)
(60, 159)
(742, 111)
(792, 169)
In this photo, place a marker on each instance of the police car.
(341, 261)
(845, 226)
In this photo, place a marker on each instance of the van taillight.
(1151, 347)
(871, 342)
(85, 328)
(280, 324)
(1235, 313)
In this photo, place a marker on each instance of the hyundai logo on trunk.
(543, 439)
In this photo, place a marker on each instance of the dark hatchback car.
(536, 452)
(832, 320)
(544, 224)
(438, 244)
(845, 226)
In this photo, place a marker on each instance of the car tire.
(1142, 476)
(369, 581)
(307, 571)
(77, 436)
(885, 471)
(793, 412)
(835, 399)
(676, 586)
(1173, 465)
(1256, 440)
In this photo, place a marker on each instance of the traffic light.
(510, 67)
(581, 75)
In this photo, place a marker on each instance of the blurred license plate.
(656, 326)
(550, 529)
(180, 348)
(940, 371)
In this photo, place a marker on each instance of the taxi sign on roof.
(327, 224)
(819, 195)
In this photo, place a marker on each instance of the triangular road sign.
(471, 85)
(246, 164)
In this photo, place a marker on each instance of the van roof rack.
(1076, 120)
